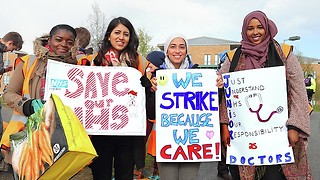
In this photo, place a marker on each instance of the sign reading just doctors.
(257, 108)
(107, 100)
(187, 116)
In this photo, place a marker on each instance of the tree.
(97, 26)
(306, 64)
(144, 43)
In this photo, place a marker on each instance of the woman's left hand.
(293, 136)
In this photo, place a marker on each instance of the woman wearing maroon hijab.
(258, 50)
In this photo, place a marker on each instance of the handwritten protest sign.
(257, 109)
(187, 116)
(107, 100)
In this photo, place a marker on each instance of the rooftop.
(206, 41)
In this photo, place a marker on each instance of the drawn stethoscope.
(279, 109)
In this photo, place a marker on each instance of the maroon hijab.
(256, 55)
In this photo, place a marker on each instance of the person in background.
(82, 39)
(81, 42)
(155, 59)
(311, 86)
(260, 50)
(10, 42)
(88, 51)
(118, 48)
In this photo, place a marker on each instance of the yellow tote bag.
(53, 145)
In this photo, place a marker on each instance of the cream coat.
(13, 95)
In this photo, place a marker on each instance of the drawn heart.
(209, 134)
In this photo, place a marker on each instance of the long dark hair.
(131, 48)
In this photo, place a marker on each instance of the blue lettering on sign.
(228, 91)
(262, 159)
(190, 77)
(191, 100)
(187, 134)
(192, 120)
(58, 83)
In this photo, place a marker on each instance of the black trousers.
(310, 93)
(273, 172)
(113, 150)
(139, 152)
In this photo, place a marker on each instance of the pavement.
(208, 170)
(6, 115)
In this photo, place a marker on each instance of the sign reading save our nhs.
(107, 100)
(257, 110)
(187, 116)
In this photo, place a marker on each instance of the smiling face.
(255, 31)
(61, 42)
(119, 37)
(177, 51)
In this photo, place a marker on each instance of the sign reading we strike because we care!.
(187, 116)
(257, 108)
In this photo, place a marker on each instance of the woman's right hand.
(49, 117)
(225, 135)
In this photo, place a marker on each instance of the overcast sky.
(160, 18)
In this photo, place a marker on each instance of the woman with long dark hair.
(118, 48)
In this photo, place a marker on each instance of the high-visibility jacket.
(18, 120)
(313, 84)
(86, 60)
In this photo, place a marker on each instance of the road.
(208, 171)
(314, 144)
